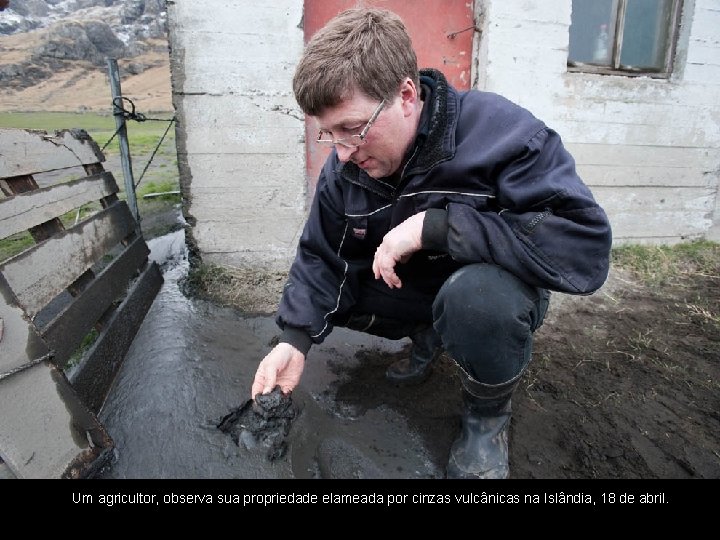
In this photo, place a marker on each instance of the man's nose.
(344, 152)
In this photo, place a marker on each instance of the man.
(443, 216)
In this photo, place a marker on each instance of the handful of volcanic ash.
(263, 421)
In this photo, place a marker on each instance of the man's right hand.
(281, 366)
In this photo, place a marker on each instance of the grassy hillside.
(143, 136)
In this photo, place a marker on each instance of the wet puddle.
(192, 364)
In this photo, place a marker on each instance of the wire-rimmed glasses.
(353, 141)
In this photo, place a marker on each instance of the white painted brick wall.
(649, 149)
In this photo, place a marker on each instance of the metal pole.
(122, 135)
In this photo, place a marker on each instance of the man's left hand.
(396, 247)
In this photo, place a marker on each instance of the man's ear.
(408, 95)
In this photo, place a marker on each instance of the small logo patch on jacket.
(359, 233)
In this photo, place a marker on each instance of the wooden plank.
(94, 377)
(25, 152)
(45, 430)
(43, 271)
(24, 184)
(21, 212)
(67, 330)
(20, 345)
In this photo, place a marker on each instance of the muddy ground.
(623, 384)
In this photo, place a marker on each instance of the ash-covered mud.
(264, 421)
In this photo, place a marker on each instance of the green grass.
(658, 265)
(50, 121)
(143, 137)
(17, 243)
(79, 353)
(164, 186)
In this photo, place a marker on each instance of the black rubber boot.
(481, 450)
(426, 347)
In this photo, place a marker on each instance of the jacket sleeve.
(548, 229)
(317, 281)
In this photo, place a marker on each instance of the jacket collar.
(436, 139)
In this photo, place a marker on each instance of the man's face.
(381, 153)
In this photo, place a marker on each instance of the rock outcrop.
(81, 33)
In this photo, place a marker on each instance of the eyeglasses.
(353, 141)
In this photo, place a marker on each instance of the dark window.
(624, 36)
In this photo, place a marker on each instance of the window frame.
(616, 69)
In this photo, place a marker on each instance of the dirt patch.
(624, 384)
(250, 290)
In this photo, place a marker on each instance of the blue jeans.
(484, 316)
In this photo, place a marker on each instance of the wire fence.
(132, 114)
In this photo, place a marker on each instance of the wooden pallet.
(76, 296)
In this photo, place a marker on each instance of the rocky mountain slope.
(53, 54)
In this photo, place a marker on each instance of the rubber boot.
(426, 347)
(481, 449)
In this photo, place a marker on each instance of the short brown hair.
(363, 48)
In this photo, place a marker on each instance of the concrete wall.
(240, 133)
(649, 148)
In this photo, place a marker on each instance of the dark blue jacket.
(498, 187)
